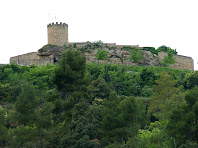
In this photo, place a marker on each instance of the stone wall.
(32, 58)
(85, 44)
(182, 62)
(116, 53)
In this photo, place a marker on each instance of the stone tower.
(57, 34)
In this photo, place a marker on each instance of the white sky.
(174, 23)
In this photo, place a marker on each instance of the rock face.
(117, 54)
(149, 58)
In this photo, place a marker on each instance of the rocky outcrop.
(117, 54)
(149, 59)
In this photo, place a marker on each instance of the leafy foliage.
(69, 73)
(183, 123)
(164, 97)
(46, 47)
(101, 55)
(151, 49)
(154, 136)
(166, 49)
(191, 80)
(136, 56)
(169, 59)
(73, 104)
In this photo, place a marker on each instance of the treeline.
(77, 105)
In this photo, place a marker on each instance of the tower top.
(55, 24)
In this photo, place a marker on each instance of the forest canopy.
(75, 104)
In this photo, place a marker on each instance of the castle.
(58, 42)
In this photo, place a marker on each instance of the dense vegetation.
(77, 105)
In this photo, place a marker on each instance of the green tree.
(169, 59)
(26, 104)
(166, 49)
(99, 89)
(33, 116)
(44, 121)
(3, 128)
(83, 132)
(69, 72)
(166, 96)
(25, 115)
(4, 92)
(183, 124)
(97, 43)
(121, 119)
(147, 77)
(102, 55)
(40, 76)
(191, 80)
(136, 55)
(154, 137)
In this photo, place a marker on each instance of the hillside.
(76, 104)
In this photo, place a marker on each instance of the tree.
(136, 55)
(165, 49)
(169, 59)
(83, 131)
(122, 119)
(147, 77)
(26, 104)
(69, 72)
(25, 115)
(155, 136)
(97, 43)
(3, 129)
(166, 96)
(191, 80)
(99, 89)
(183, 124)
(33, 116)
(40, 76)
(102, 55)
(4, 92)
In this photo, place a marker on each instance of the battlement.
(57, 24)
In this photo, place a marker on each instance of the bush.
(151, 49)
(97, 43)
(136, 56)
(74, 45)
(102, 55)
(166, 49)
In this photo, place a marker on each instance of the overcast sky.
(174, 23)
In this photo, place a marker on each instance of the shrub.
(102, 55)
(166, 49)
(136, 56)
(74, 45)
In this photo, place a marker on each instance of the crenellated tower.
(57, 33)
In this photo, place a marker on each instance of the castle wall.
(31, 58)
(115, 57)
(83, 44)
(57, 34)
(182, 62)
